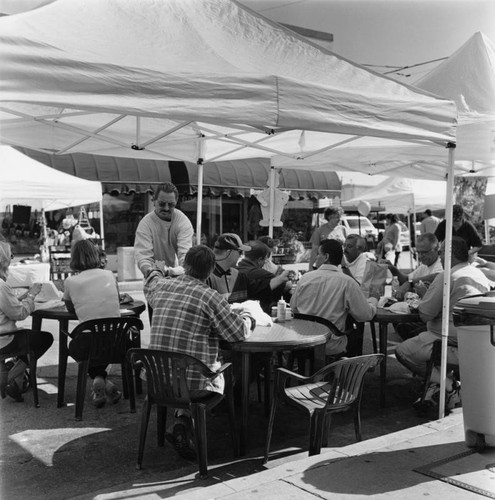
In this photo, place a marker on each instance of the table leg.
(63, 354)
(319, 357)
(383, 332)
(245, 401)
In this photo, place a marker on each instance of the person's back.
(94, 294)
(329, 293)
(429, 224)
(191, 318)
(466, 280)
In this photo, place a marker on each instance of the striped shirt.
(189, 317)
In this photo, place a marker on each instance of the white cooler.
(475, 319)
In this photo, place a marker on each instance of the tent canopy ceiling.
(41, 186)
(211, 80)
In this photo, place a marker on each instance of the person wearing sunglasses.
(163, 236)
(428, 250)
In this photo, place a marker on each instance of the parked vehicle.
(357, 224)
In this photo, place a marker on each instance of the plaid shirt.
(189, 317)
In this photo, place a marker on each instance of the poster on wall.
(469, 192)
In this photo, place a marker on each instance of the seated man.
(191, 318)
(263, 285)
(225, 278)
(329, 293)
(355, 257)
(427, 247)
(466, 280)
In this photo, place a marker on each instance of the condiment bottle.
(281, 307)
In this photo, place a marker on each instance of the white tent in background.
(404, 196)
(27, 182)
(468, 78)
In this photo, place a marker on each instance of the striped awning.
(238, 178)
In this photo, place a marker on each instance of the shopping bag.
(374, 278)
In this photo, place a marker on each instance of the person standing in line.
(163, 236)
(332, 229)
(429, 223)
(92, 294)
(462, 228)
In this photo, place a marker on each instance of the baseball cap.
(230, 241)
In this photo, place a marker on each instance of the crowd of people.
(195, 295)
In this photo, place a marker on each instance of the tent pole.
(102, 231)
(199, 206)
(272, 200)
(446, 279)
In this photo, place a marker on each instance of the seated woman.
(92, 294)
(16, 342)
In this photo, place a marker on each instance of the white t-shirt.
(94, 294)
(423, 270)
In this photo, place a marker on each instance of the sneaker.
(112, 393)
(98, 392)
(180, 439)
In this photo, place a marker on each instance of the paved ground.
(46, 454)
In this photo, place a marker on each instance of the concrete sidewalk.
(408, 465)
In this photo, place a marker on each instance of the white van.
(357, 224)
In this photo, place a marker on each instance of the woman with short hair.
(92, 294)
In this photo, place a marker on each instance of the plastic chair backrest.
(319, 319)
(111, 338)
(166, 374)
(346, 377)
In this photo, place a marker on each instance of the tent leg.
(446, 282)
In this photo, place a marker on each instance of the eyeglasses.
(164, 204)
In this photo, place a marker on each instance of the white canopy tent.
(205, 81)
(403, 196)
(28, 182)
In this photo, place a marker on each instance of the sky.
(388, 32)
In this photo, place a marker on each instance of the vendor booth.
(27, 190)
